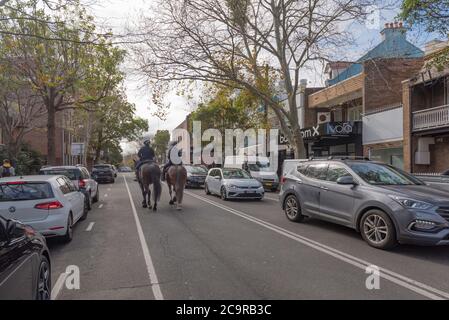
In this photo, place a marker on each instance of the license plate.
(268, 184)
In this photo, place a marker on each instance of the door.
(216, 181)
(337, 200)
(309, 190)
(16, 267)
(77, 198)
(69, 196)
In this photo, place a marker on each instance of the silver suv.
(385, 204)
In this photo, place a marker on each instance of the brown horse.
(150, 173)
(176, 177)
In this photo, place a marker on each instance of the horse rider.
(172, 149)
(145, 154)
(7, 170)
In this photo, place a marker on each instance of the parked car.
(232, 183)
(258, 167)
(385, 204)
(52, 205)
(104, 173)
(25, 267)
(125, 169)
(196, 176)
(80, 177)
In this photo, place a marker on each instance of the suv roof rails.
(340, 158)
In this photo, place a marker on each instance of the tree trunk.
(51, 135)
(98, 146)
(298, 144)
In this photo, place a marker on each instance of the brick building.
(426, 116)
(360, 111)
(37, 139)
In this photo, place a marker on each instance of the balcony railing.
(431, 118)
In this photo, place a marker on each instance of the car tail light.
(282, 180)
(49, 205)
(82, 183)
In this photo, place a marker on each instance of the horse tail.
(180, 183)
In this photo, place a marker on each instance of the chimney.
(393, 30)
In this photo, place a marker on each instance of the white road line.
(146, 252)
(272, 199)
(413, 285)
(91, 225)
(100, 206)
(58, 286)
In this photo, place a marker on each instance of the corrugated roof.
(394, 45)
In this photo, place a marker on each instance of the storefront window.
(393, 156)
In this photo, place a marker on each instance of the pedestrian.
(7, 170)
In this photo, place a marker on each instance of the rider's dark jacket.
(146, 153)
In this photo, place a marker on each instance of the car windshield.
(102, 167)
(259, 166)
(196, 170)
(379, 174)
(71, 174)
(235, 174)
(25, 191)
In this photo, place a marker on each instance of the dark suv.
(104, 173)
(385, 204)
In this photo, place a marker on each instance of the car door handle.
(298, 181)
(325, 189)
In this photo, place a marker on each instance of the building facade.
(361, 107)
(426, 116)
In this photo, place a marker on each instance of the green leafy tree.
(433, 16)
(115, 122)
(160, 142)
(67, 72)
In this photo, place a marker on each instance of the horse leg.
(149, 198)
(170, 192)
(144, 195)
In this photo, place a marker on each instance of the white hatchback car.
(50, 204)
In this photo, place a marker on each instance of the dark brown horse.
(150, 173)
(176, 177)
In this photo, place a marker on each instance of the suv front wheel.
(292, 209)
(378, 230)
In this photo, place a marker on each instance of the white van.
(258, 167)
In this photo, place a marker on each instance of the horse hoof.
(171, 202)
(155, 209)
(150, 207)
(144, 206)
(179, 208)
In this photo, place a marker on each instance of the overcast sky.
(118, 14)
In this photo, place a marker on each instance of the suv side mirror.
(346, 180)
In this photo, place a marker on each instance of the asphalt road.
(216, 249)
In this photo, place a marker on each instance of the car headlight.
(411, 203)
(231, 186)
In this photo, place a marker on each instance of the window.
(379, 174)
(355, 113)
(3, 236)
(393, 156)
(72, 187)
(235, 174)
(25, 191)
(63, 186)
(337, 115)
(70, 173)
(317, 171)
(334, 172)
(85, 173)
(302, 168)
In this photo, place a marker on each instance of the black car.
(196, 175)
(25, 270)
(104, 173)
